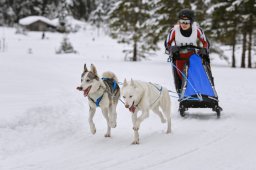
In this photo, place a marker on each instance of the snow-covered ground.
(43, 118)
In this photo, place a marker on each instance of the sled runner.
(194, 83)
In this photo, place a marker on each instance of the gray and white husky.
(102, 92)
(143, 96)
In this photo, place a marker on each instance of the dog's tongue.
(132, 109)
(86, 91)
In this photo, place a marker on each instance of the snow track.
(44, 122)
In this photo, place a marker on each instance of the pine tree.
(239, 20)
(21, 8)
(187, 4)
(247, 13)
(224, 28)
(200, 13)
(128, 24)
(66, 46)
(243, 49)
(248, 9)
(166, 16)
(97, 17)
(51, 8)
(7, 14)
(81, 9)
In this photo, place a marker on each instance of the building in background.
(37, 23)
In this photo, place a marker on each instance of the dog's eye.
(87, 80)
(124, 97)
(130, 96)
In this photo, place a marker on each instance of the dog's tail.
(109, 75)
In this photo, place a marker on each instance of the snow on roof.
(69, 21)
(31, 19)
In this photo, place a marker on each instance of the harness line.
(161, 89)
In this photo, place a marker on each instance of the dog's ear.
(125, 83)
(132, 83)
(85, 68)
(93, 69)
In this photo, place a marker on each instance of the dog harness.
(113, 87)
(110, 82)
(158, 87)
(97, 101)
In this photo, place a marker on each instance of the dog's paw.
(93, 130)
(107, 135)
(135, 142)
(168, 131)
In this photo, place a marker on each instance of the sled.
(196, 88)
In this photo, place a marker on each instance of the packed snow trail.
(44, 119)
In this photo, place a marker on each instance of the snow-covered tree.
(81, 9)
(248, 11)
(231, 19)
(166, 15)
(66, 46)
(128, 24)
(62, 14)
(97, 17)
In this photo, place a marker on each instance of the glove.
(175, 49)
(204, 51)
(205, 55)
(166, 48)
(165, 44)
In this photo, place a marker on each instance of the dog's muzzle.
(86, 91)
(132, 108)
(79, 88)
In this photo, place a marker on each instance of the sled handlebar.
(174, 51)
(189, 46)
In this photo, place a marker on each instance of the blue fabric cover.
(198, 81)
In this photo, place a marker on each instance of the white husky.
(103, 93)
(142, 96)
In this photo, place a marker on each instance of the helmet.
(187, 13)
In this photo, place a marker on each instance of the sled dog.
(143, 96)
(101, 92)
